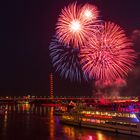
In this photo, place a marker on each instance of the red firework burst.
(89, 12)
(74, 24)
(108, 55)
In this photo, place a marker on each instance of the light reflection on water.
(36, 122)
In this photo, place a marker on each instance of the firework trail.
(76, 23)
(108, 55)
(65, 60)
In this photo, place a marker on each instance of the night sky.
(26, 30)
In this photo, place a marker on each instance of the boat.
(58, 111)
(114, 117)
(61, 109)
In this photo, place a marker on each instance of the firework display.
(86, 46)
(65, 60)
(108, 55)
(76, 23)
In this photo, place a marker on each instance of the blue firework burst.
(65, 60)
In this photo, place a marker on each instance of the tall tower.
(51, 85)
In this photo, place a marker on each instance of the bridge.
(44, 99)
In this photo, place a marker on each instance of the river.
(36, 122)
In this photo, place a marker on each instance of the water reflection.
(69, 131)
(5, 120)
(36, 122)
(51, 124)
(100, 136)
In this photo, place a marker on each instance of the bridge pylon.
(51, 86)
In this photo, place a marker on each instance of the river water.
(36, 122)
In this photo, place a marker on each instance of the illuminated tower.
(51, 85)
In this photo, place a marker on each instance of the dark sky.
(26, 29)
